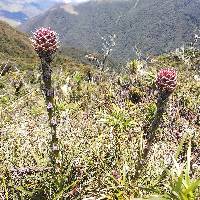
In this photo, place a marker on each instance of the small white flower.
(197, 78)
(195, 166)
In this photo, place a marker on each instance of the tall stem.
(151, 132)
(49, 97)
(45, 42)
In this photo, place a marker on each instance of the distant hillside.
(155, 26)
(14, 45)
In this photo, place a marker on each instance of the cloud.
(19, 5)
(35, 1)
(71, 1)
(66, 1)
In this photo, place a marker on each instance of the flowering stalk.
(166, 83)
(45, 43)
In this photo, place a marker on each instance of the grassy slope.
(16, 47)
(14, 44)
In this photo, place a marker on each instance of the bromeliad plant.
(45, 42)
(166, 82)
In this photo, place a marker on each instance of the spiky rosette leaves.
(45, 41)
(166, 80)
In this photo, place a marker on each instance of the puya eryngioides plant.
(45, 42)
(166, 82)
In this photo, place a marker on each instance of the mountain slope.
(15, 45)
(155, 26)
(160, 26)
(16, 48)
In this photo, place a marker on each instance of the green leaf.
(187, 173)
(179, 183)
(20, 188)
(181, 145)
(193, 186)
(59, 194)
(5, 188)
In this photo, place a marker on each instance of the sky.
(73, 0)
(15, 5)
(76, 1)
(29, 1)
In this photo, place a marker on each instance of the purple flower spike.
(45, 40)
(166, 80)
(49, 106)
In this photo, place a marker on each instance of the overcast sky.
(65, 0)
(22, 1)
(73, 0)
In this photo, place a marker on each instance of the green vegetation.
(101, 132)
(15, 47)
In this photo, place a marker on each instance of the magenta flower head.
(166, 80)
(45, 41)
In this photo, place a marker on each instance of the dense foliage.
(103, 118)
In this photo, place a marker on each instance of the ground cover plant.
(100, 134)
